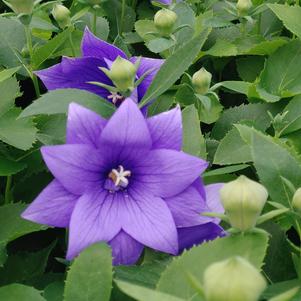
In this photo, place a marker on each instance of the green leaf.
(280, 77)
(225, 170)
(160, 44)
(209, 108)
(144, 28)
(6, 74)
(20, 292)
(54, 291)
(90, 275)
(9, 91)
(274, 162)
(9, 167)
(161, 104)
(193, 140)
(141, 293)
(289, 15)
(249, 68)
(174, 279)
(171, 70)
(57, 102)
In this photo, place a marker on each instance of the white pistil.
(115, 97)
(119, 176)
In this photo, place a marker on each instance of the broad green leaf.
(280, 77)
(145, 29)
(90, 275)
(57, 102)
(193, 140)
(20, 133)
(185, 95)
(209, 108)
(7, 73)
(160, 44)
(161, 104)
(44, 52)
(275, 163)
(14, 292)
(281, 287)
(289, 15)
(249, 68)
(171, 70)
(9, 167)
(9, 91)
(225, 170)
(237, 86)
(54, 291)
(174, 279)
(141, 293)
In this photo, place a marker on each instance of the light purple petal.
(169, 172)
(127, 128)
(125, 249)
(77, 167)
(186, 208)
(83, 126)
(148, 220)
(166, 129)
(190, 236)
(52, 207)
(95, 47)
(147, 64)
(76, 73)
(94, 219)
(166, 2)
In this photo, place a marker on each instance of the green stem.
(94, 24)
(122, 17)
(7, 190)
(71, 44)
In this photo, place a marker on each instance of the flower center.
(120, 176)
(116, 98)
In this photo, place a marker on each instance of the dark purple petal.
(77, 167)
(169, 172)
(94, 219)
(127, 128)
(186, 208)
(52, 207)
(95, 47)
(83, 126)
(190, 236)
(76, 73)
(125, 249)
(147, 64)
(148, 220)
(166, 129)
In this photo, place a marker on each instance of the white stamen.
(115, 97)
(119, 176)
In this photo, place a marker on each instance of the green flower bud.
(61, 14)
(201, 81)
(297, 200)
(21, 6)
(122, 73)
(243, 7)
(243, 200)
(165, 20)
(234, 279)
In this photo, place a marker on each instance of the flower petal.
(76, 73)
(190, 236)
(166, 129)
(125, 249)
(77, 167)
(148, 220)
(127, 128)
(147, 64)
(52, 207)
(95, 218)
(169, 172)
(83, 126)
(95, 47)
(186, 208)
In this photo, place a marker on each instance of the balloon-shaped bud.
(297, 200)
(201, 81)
(234, 279)
(21, 6)
(165, 20)
(122, 73)
(243, 7)
(61, 14)
(243, 201)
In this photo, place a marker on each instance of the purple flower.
(125, 181)
(85, 72)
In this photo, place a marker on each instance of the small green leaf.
(90, 275)
(54, 291)
(6, 74)
(14, 292)
(9, 167)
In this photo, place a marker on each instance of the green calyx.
(61, 15)
(21, 6)
(165, 20)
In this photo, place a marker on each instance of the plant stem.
(7, 190)
(71, 44)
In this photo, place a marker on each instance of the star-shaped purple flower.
(125, 181)
(83, 72)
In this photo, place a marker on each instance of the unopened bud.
(201, 81)
(21, 6)
(165, 20)
(234, 279)
(297, 200)
(243, 7)
(243, 201)
(61, 15)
